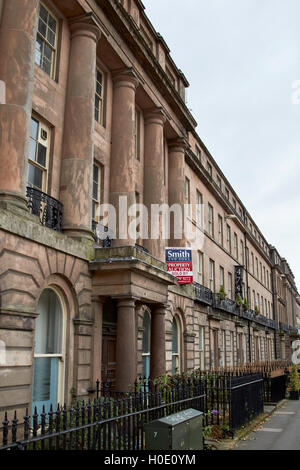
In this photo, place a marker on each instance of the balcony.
(102, 236)
(227, 305)
(48, 209)
(283, 327)
(203, 294)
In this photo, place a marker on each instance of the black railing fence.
(48, 209)
(115, 421)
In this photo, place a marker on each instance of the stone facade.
(58, 59)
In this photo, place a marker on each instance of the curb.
(224, 445)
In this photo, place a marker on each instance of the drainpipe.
(247, 296)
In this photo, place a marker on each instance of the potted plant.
(256, 310)
(238, 300)
(245, 305)
(222, 293)
(294, 383)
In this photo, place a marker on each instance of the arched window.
(48, 351)
(146, 344)
(175, 347)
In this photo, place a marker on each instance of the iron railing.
(48, 209)
(203, 294)
(227, 305)
(283, 327)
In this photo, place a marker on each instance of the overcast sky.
(242, 58)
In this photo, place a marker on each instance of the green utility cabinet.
(180, 431)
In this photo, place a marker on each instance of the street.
(281, 431)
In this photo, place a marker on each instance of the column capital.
(178, 145)
(126, 77)
(160, 309)
(125, 301)
(155, 116)
(86, 25)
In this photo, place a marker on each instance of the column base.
(80, 234)
(11, 198)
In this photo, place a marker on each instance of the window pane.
(38, 51)
(42, 378)
(32, 149)
(146, 333)
(95, 191)
(43, 13)
(51, 37)
(34, 127)
(52, 23)
(48, 52)
(42, 155)
(42, 28)
(46, 66)
(174, 337)
(35, 176)
(48, 324)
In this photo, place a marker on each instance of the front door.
(108, 369)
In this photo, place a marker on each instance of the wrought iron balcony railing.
(203, 294)
(283, 327)
(227, 305)
(293, 331)
(101, 235)
(48, 209)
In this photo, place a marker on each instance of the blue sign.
(178, 255)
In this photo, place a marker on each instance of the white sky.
(242, 58)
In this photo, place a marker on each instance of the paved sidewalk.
(279, 432)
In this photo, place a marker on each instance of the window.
(258, 302)
(46, 41)
(212, 275)
(99, 97)
(266, 308)
(222, 282)
(268, 286)
(175, 347)
(231, 348)
(187, 195)
(222, 348)
(234, 204)
(48, 352)
(235, 246)
(198, 153)
(228, 238)
(261, 273)
(264, 269)
(256, 261)
(210, 220)
(227, 193)
(137, 126)
(220, 230)
(199, 212)
(38, 155)
(97, 183)
(209, 168)
(229, 287)
(252, 263)
(219, 182)
(254, 298)
(242, 252)
(200, 267)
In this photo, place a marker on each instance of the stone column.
(78, 143)
(126, 368)
(154, 189)
(17, 44)
(122, 181)
(177, 187)
(158, 342)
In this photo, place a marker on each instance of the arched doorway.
(48, 369)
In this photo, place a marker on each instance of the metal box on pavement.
(180, 431)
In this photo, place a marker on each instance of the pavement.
(280, 431)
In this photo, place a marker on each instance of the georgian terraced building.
(94, 110)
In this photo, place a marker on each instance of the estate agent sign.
(180, 264)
